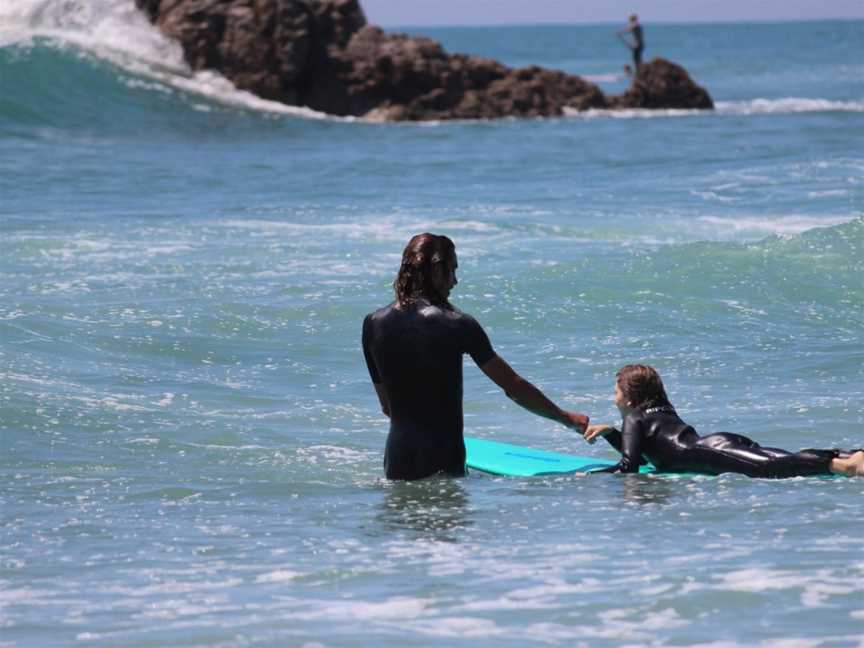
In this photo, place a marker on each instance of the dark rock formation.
(322, 54)
(396, 77)
(662, 84)
(263, 46)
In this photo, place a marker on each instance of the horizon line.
(748, 21)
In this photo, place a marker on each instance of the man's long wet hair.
(641, 386)
(422, 254)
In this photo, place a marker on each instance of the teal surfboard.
(519, 461)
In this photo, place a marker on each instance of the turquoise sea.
(190, 448)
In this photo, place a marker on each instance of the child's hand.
(597, 430)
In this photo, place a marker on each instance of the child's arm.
(598, 430)
(613, 438)
(628, 442)
(631, 445)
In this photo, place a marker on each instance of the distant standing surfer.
(638, 45)
(414, 349)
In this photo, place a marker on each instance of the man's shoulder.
(429, 312)
(382, 312)
(460, 316)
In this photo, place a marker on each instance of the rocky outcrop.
(396, 77)
(662, 84)
(323, 54)
(265, 47)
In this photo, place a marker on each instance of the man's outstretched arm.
(528, 396)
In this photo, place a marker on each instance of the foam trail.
(780, 226)
(787, 105)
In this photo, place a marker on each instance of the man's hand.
(577, 421)
(598, 430)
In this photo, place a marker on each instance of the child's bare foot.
(851, 466)
(856, 462)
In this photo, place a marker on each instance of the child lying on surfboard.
(652, 430)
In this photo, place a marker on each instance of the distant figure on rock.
(638, 44)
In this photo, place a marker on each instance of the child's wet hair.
(641, 386)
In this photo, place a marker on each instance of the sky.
(396, 13)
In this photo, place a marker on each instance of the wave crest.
(114, 31)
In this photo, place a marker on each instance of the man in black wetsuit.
(414, 349)
(652, 429)
(638, 44)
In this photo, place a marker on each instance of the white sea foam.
(460, 627)
(399, 608)
(781, 225)
(738, 306)
(37, 380)
(278, 576)
(143, 441)
(115, 31)
(379, 229)
(220, 90)
(760, 580)
(828, 193)
(713, 195)
(172, 587)
(603, 78)
(223, 446)
(817, 588)
(114, 28)
(340, 454)
(629, 619)
(784, 105)
(167, 399)
(109, 250)
(382, 228)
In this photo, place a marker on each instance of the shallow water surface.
(191, 449)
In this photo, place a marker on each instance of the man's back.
(415, 352)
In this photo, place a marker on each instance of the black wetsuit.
(416, 353)
(659, 435)
(638, 45)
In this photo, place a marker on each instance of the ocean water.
(191, 449)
